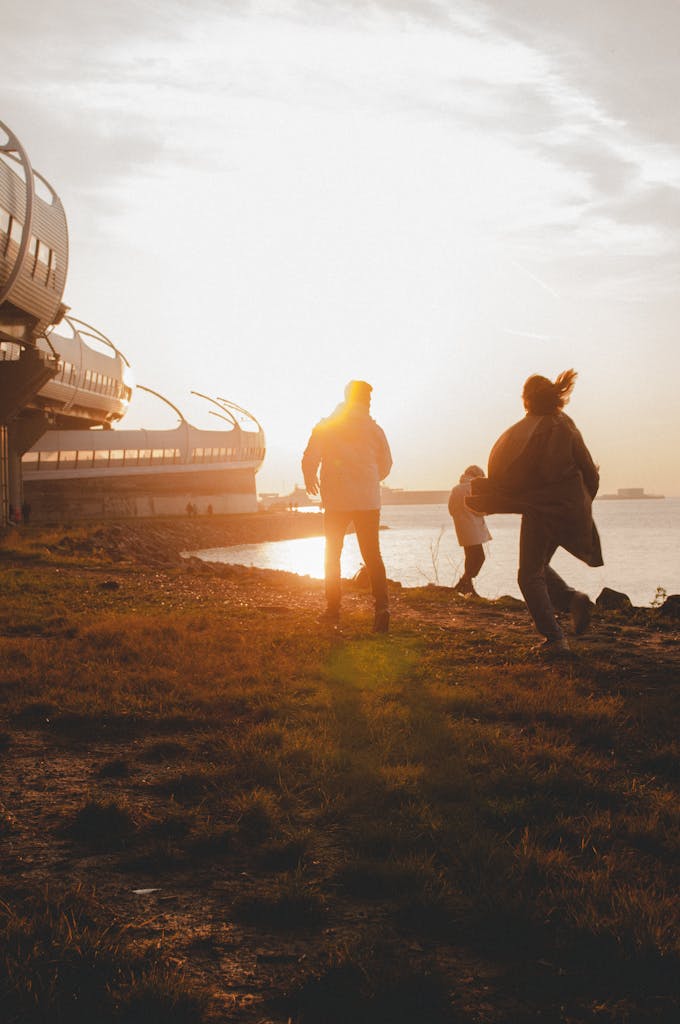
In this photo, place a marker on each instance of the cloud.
(607, 174)
(621, 52)
(90, 91)
(77, 31)
(105, 96)
(650, 204)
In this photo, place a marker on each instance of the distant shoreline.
(398, 497)
(631, 497)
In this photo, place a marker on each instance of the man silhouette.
(353, 455)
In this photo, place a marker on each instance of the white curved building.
(33, 246)
(90, 387)
(63, 388)
(77, 474)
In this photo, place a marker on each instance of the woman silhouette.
(541, 467)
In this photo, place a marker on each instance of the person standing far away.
(541, 467)
(346, 458)
(471, 530)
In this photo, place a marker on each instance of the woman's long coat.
(541, 466)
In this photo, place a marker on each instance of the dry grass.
(65, 959)
(332, 826)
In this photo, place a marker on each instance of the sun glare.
(304, 557)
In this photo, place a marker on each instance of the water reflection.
(419, 547)
(415, 558)
(304, 556)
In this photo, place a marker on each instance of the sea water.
(640, 543)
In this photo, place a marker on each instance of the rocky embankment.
(162, 541)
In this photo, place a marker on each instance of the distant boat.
(629, 494)
(297, 499)
(397, 496)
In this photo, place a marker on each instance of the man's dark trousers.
(367, 526)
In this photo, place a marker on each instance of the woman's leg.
(474, 560)
(535, 577)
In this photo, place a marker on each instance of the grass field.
(213, 809)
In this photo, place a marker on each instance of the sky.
(267, 199)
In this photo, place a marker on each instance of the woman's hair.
(543, 397)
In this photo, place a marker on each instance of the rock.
(614, 601)
(671, 607)
(109, 585)
(507, 601)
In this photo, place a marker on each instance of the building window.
(5, 221)
(32, 250)
(52, 273)
(43, 265)
(67, 460)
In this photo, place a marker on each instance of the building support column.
(20, 381)
(22, 433)
(4, 476)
